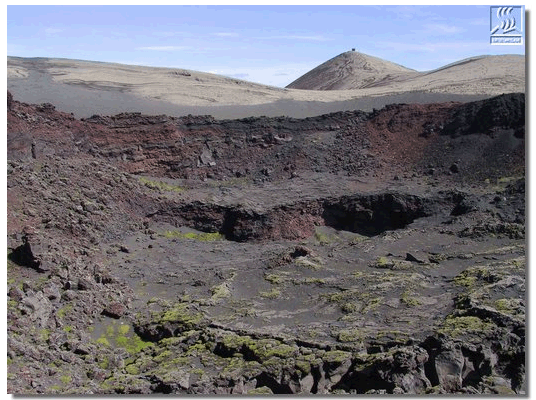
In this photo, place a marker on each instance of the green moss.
(350, 335)
(235, 342)
(234, 364)
(408, 298)
(395, 265)
(342, 296)
(132, 369)
(336, 356)
(102, 340)
(172, 341)
(349, 308)
(322, 238)
(67, 328)
(519, 263)
(304, 366)
(280, 351)
(465, 280)
(510, 306)
(123, 329)
(44, 334)
(508, 179)
(133, 344)
(168, 361)
(117, 335)
(65, 379)
(163, 355)
(180, 313)
(110, 330)
(471, 276)
(260, 391)
(314, 264)
(274, 279)
(383, 262)
(196, 349)
(203, 236)
(62, 312)
(235, 181)
(372, 304)
(220, 291)
(161, 186)
(458, 326)
(263, 349)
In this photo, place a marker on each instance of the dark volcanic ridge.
(353, 252)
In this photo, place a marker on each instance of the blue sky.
(267, 44)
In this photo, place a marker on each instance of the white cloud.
(315, 38)
(163, 48)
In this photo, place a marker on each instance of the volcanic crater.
(357, 252)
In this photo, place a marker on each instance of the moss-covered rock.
(263, 390)
(459, 326)
(172, 321)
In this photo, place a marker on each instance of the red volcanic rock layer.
(400, 138)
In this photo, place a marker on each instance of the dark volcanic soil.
(353, 252)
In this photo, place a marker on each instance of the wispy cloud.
(170, 33)
(315, 38)
(226, 34)
(432, 47)
(410, 12)
(239, 76)
(163, 48)
(277, 75)
(443, 28)
(479, 22)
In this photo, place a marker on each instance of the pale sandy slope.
(488, 75)
(353, 70)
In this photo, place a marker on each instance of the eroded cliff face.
(352, 252)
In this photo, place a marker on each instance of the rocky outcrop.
(487, 116)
